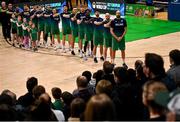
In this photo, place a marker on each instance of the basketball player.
(55, 28)
(40, 21)
(74, 28)
(66, 28)
(89, 27)
(107, 36)
(47, 23)
(118, 30)
(81, 28)
(98, 36)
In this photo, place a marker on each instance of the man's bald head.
(81, 82)
(107, 16)
(118, 14)
(45, 98)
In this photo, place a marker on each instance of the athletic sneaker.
(70, 49)
(58, 47)
(81, 55)
(79, 51)
(102, 58)
(64, 51)
(72, 52)
(46, 45)
(20, 45)
(95, 60)
(85, 58)
(89, 53)
(35, 49)
(38, 44)
(125, 66)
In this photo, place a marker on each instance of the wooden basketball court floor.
(61, 70)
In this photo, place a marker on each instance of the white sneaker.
(64, 51)
(89, 53)
(46, 45)
(81, 55)
(58, 47)
(85, 58)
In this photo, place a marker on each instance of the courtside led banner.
(108, 6)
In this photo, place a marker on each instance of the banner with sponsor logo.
(140, 10)
(109, 6)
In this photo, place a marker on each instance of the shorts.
(19, 32)
(89, 36)
(118, 45)
(55, 30)
(75, 33)
(98, 38)
(81, 34)
(14, 31)
(34, 37)
(66, 30)
(47, 28)
(107, 40)
(40, 27)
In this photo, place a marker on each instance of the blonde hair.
(104, 86)
(155, 86)
(150, 89)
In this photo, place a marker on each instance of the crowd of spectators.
(147, 93)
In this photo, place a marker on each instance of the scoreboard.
(109, 6)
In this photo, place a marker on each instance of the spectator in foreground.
(98, 76)
(108, 69)
(41, 110)
(7, 113)
(38, 91)
(28, 98)
(67, 99)
(150, 89)
(123, 96)
(77, 109)
(154, 70)
(82, 89)
(141, 77)
(47, 99)
(171, 101)
(11, 94)
(56, 93)
(104, 86)
(91, 86)
(99, 108)
(174, 71)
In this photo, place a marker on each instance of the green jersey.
(25, 29)
(19, 29)
(13, 23)
(34, 34)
